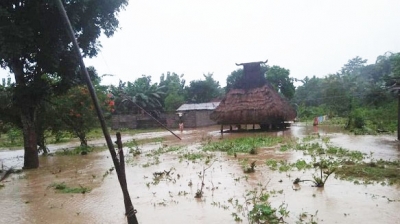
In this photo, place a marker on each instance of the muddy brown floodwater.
(27, 197)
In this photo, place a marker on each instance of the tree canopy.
(202, 91)
(36, 48)
(359, 92)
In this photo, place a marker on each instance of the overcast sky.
(308, 37)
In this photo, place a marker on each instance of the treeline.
(172, 91)
(359, 92)
(62, 110)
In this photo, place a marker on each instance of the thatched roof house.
(256, 103)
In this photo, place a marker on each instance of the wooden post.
(398, 117)
(131, 216)
(129, 210)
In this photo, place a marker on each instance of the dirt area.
(28, 197)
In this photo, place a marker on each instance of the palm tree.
(141, 94)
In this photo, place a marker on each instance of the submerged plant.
(385, 172)
(199, 192)
(256, 207)
(251, 168)
(63, 188)
(325, 168)
(244, 145)
(80, 150)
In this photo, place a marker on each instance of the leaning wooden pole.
(130, 213)
(151, 116)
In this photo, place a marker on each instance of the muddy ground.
(28, 198)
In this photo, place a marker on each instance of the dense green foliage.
(174, 91)
(167, 96)
(203, 91)
(358, 92)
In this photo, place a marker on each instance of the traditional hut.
(255, 103)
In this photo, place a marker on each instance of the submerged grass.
(63, 188)
(243, 145)
(162, 150)
(284, 166)
(347, 164)
(316, 149)
(194, 156)
(376, 171)
(80, 150)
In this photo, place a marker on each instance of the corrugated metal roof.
(198, 106)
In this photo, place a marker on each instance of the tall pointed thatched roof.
(261, 105)
(256, 104)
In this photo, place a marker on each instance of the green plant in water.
(193, 156)
(302, 164)
(63, 188)
(199, 192)
(325, 167)
(251, 168)
(272, 163)
(262, 211)
(284, 166)
(80, 150)
(244, 145)
(133, 147)
(375, 171)
(236, 217)
(285, 148)
(253, 151)
(305, 217)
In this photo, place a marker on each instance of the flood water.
(27, 197)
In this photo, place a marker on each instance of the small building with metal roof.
(197, 114)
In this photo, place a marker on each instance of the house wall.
(119, 121)
(142, 121)
(197, 118)
(191, 119)
(203, 118)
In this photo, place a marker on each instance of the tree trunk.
(28, 114)
(31, 156)
(82, 138)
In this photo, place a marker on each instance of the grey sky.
(308, 37)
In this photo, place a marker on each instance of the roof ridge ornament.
(259, 62)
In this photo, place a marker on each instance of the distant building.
(197, 114)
